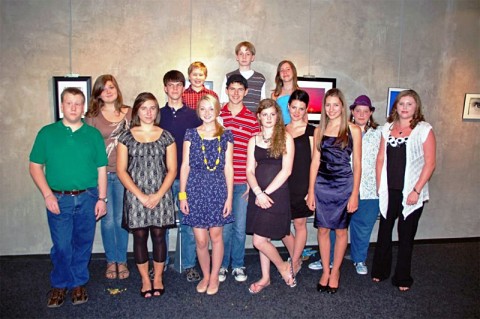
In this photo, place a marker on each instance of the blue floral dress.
(206, 189)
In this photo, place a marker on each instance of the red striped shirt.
(243, 126)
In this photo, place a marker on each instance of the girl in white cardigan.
(405, 163)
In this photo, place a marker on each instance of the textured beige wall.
(369, 45)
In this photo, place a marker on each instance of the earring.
(368, 123)
(353, 120)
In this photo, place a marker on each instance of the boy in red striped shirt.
(243, 124)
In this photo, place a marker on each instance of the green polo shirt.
(71, 159)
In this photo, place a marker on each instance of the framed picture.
(392, 95)
(83, 83)
(316, 88)
(471, 107)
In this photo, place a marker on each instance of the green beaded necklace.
(217, 161)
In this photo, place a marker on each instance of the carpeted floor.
(447, 285)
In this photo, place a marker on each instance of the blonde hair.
(342, 137)
(278, 146)
(216, 106)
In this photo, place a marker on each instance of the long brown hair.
(142, 98)
(278, 146)
(417, 116)
(279, 82)
(96, 103)
(342, 137)
(216, 106)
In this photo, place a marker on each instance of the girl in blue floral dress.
(206, 188)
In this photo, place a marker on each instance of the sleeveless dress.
(147, 168)
(273, 222)
(298, 180)
(334, 184)
(206, 190)
(282, 101)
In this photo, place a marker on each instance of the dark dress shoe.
(79, 295)
(56, 298)
(321, 288)
(332, 290)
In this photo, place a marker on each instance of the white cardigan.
(413, 168)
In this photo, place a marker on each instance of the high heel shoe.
(158, 292)
(292, 274)
(332, 290)
(321, 288)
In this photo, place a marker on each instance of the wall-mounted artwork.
(392, 95)
(83, 83)
(471, 107)
(316, 88)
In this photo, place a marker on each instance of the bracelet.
(253, 189)
(266, 193)
(182, 195)
(48, 195)
(415, 190)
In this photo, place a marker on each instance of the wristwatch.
(103, 199)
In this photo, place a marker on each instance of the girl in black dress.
(269, 163)
(302, 134)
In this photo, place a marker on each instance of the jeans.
(234, 235)
(114, 237)
(72, 232)
(361, 226)
(184, 257)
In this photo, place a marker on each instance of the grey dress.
(147, 168)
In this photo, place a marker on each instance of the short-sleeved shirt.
(71, 159)
(191, 97)
(243, 126)
(176, 122)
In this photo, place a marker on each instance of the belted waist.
(73, 193)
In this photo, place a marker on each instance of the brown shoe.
(56, 298)
(79, 295)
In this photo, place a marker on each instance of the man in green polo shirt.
(68, 165)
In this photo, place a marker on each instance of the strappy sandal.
(256, 288)
(123, 272)
(111, 272)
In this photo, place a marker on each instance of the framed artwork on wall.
(392, 95)
(316, 88)
(83, 83)
(471, 107)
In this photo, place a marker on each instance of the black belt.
(73, 193)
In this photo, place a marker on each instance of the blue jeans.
(72, 232)
(114, 237)
(361, 226)
(184, 257)
(234, 235)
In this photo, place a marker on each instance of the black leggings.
(140, 251)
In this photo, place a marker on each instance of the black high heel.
(160, 292)
(332, 290)
(321, 288)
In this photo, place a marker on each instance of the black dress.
(298, 180)
(273, 222)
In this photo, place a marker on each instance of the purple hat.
(363, 100)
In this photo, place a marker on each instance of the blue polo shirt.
(177, 122)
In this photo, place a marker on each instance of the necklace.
(217, 161)
(266, 140)
(401, 129)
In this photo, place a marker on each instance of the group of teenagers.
(251, 166)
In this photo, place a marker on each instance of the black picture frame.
(83, 83)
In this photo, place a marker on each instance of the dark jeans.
(407, 228)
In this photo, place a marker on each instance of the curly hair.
(417, 116)
(278, 146)
(216, 106)
(279, 82)
(96, 103)
(342, 137)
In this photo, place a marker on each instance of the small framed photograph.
(316, 89)
(392, 95)
(471, 107)
(83, 83)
